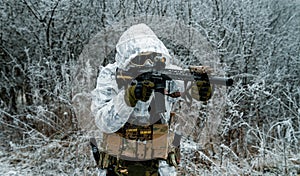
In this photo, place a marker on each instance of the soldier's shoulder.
(109, 68)
(112, 66)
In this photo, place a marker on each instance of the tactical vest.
(136, 143)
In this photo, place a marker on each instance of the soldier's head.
(139, 46)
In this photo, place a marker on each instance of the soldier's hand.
(172, 160)
(140, 91)
(202, 89)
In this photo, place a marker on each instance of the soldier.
(135, 118)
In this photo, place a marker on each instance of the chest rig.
(134, 142)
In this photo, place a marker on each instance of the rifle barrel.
(221, 81)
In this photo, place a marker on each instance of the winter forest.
(51, 51)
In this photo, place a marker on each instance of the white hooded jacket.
(108, 103)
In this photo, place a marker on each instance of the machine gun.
(159, 75)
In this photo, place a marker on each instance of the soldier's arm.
(108, 104)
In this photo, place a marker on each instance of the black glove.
(140, 91)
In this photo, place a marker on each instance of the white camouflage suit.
(108, 105)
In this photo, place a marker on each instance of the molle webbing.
(134, 132)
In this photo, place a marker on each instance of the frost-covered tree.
(46, 68)
(259, 41)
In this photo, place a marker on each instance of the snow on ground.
(73, 157)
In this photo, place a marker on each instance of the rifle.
(193, 73)
(159, 75)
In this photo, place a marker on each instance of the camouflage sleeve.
(108, 104)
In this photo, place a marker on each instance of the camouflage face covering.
(145, 59)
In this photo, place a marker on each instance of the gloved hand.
(202, 90)
(172, 159)
(140, 91)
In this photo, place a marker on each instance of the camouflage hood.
(137, 39)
